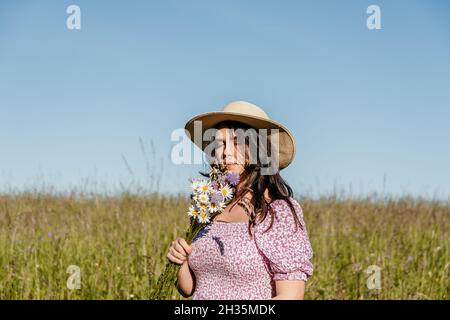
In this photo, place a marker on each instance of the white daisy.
(203, 198)
(203, 217)
(193, 212)
(213, 207)
(203, 206)
(195, 185)
(222, 205)
(226, 192)
(204, 186)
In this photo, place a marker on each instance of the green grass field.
(119, 244)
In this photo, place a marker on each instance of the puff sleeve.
(285, 247)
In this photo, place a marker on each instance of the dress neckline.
(228, 222)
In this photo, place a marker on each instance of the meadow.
(119, 244)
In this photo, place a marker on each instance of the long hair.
(251, 180)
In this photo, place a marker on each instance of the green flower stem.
(167, 280)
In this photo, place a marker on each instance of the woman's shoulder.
(283, 203)
(282, 213)
(285, 244)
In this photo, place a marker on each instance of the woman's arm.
(185, 280)
(289, 290)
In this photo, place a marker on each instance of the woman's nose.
(228, 155)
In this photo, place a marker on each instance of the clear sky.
(370, 109)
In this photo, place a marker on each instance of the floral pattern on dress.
(229, 264)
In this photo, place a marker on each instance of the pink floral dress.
(230, 265)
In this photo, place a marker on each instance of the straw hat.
(251, 115)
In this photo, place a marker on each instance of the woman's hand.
(179, 251)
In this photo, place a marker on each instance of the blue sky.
(370, 109)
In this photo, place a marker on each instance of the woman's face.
(232, 154)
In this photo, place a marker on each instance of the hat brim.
(287, 148)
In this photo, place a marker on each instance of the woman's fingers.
(180, 248)
(177, 254)
(187, 248)
(179, 251)
(172, 258)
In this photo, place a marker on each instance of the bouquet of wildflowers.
(209, 198)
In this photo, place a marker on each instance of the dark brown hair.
(251, 180)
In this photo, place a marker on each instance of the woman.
(258, 247)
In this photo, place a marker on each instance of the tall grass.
(119, 241)
(120, 244)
